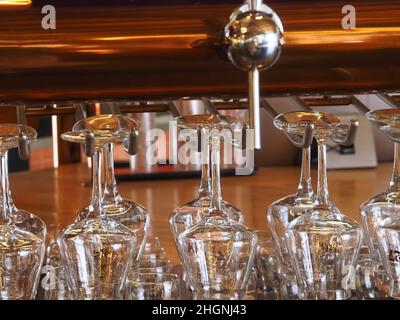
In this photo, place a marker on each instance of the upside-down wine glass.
(323, 244)
(22, 218)
(381, 214)
(190, 213)
(22, 234)
(387, 203)
(217, 252)
(281, 212)
(98, 250)
(130, 213)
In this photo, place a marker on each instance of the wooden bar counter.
(56, 195)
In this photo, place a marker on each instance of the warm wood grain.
(56, 195)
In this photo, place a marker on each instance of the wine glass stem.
(4, 186)
(216, 200)
(110, 190)
(395, 180)
(10, 202)
(322, 189)
(96, 207)
(305, 187)
(205, 185)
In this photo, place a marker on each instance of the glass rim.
(281, 122)
(205, 121)
(131, 123)
(386, 114)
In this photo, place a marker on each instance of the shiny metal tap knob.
(253, 37)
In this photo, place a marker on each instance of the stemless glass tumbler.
(97, 251)
(217, 252)
(371, 280)
(22, 235)
(388, 237)
(153, 286)
(323, 244)
(267, 267)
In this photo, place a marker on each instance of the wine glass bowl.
(98, 253)
(323, 246)
(217, 258)
(22, 255)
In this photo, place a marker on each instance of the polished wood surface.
(169, 49)
(56, 195)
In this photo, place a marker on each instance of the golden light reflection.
(151, 37)
(15, 2)
(97, 51)
(318, 37)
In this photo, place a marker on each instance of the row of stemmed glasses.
(22, 234)
(98, 250)
(380, 214)
(216, 251)
(316, 241)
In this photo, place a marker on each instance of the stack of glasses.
(154, 278)
(314, 252)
